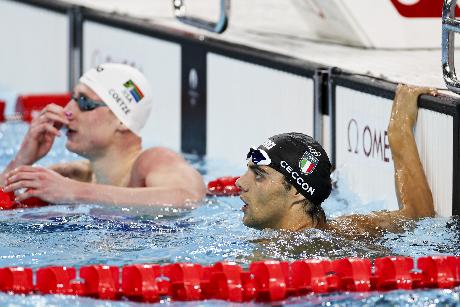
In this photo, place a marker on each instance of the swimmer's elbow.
(411, 215)
(191, 195)
(420, 212)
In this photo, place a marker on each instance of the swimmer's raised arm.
(39, 138)
(412, 189)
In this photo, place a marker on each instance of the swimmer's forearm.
(402, 141)
(412, 186)
(112, 195)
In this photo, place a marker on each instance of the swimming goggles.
(258, 156)
(85, 104)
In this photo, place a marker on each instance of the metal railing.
(216, 27)
(450, 26)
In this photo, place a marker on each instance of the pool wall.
(218, 98)
(361, 109)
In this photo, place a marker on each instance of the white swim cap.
(125, 90)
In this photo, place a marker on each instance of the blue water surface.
(205, 232)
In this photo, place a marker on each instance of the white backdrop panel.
(246, 103)
(363, 154)
(160, 62)
(365, 164)
(434, 140)
(34, 53)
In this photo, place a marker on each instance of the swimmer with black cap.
(288, 179)
(109, 107)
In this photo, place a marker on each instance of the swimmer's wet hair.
(315, 212)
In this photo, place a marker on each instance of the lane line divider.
(263, 281)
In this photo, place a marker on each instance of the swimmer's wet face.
(89, 132)
(289, 174)
(264, 196)
(93, 130)
(125, 90)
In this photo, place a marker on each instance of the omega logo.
(371, 142)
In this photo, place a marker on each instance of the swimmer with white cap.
(104, 118)
(288, 178)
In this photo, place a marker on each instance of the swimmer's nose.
(239, 184)
(69, 109)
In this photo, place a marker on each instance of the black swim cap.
(301, 160)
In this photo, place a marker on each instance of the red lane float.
(439, 272)
(223, 186)
(226, 282)
(393, 273)
(2, 111)
(313, 275)
(185, 279)
(140, 282)
(32, 202)
(29, 105)
(101, 281)
(7, 202)
(268, 281)
(55, 280)
(17, 280)
(354, 274)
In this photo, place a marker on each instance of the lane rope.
(263, 281)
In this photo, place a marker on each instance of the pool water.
(207, 232)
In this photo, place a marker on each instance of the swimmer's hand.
(405, 104)
(41, 134)
(48, 185)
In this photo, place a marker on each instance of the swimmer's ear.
(295, 195)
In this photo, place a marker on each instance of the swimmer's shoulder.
(77, 170)
(158, 157)
(160, 166)
(155, 159)
(375, 223)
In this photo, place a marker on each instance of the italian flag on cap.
(307, 163)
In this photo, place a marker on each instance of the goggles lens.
(258, 157)
(85, 104)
